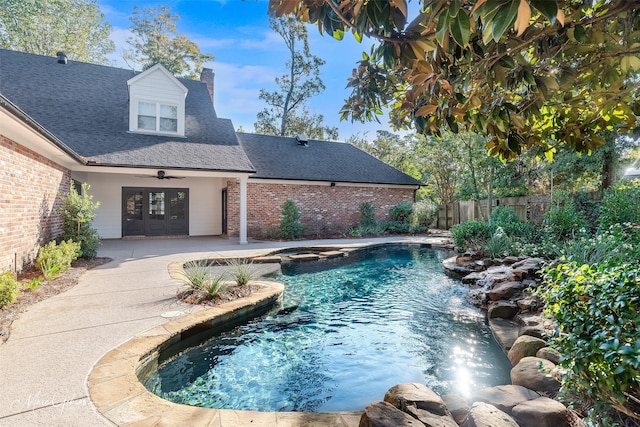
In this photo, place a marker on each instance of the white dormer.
(156, 102)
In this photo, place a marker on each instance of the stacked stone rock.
(503, 288)
(413, 404)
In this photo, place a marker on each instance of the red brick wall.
(29, 195)
(326, 211)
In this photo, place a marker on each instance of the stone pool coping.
(118, 394)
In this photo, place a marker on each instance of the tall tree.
(156, 41)
(44, 27)
(528, 73)
(286, 114)
(395, 150)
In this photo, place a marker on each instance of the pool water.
(347, 331)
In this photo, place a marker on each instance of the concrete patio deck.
(55, 344)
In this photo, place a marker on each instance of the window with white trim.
(156, 117)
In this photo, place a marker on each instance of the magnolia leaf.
(426, 45)
(579, 33)
(475, 102)
(507, 62)
(454, 8)
(458, 113)
(524, 16)
(548, 8)
(460, 29)
(442, 27)
(560, 17)
(338, 34)
(357, 36)
(630, 63)
(504, 18)
(426, 110)
(419, 53)
(401, 5)
(550, 82)
(477, 5)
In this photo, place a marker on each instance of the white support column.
(243, 211)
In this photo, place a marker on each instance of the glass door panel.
(177, 213)
(133, 221)
(156, 221)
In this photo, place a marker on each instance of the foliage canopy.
(528, 73)
(44, 27)
(286, 114)
(156, 41)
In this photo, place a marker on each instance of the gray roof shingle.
(276, 157)
(86, 106)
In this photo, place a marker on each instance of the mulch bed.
(190, 296)
(46, 289)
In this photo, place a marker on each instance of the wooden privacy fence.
(528, 208)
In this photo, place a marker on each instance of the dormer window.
(157, 103)
(156, 117)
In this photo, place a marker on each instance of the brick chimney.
(206, 76)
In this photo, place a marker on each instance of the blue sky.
(249, 56)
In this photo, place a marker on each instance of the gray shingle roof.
(276, 157)
(86, 107)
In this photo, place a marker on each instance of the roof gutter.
(16, 111)
(173, 168)
(417, 184)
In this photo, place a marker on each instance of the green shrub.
(355, 232)
(425, 213)
(564, 223)
(471, 235)
(397, 227)
(77, 212)
(367, 216)
(595, 310)
(589, 207)
(504, 215)
(198, 277)
(214, 286)
(53, 258)
(620, 204)
(499, 244)
(195, 274)
(9, 288)
(242, 271)
(401, 212)
(290, 225)
(34, 283)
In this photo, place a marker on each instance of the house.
(160, 161)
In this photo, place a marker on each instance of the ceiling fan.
(161, 175)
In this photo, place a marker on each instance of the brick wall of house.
(325, 211)
(29, 195)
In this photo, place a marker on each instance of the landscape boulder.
(457, 405)
(485, 415)
(551, 354)
(503, 309)
(536, 374)
(542, 412)
(505, 290)
(421, 403)
(383, 414)
(504, 397)
(524, 346)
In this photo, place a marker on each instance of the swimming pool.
(348, 330)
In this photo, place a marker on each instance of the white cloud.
(237, 88)
(119, 36)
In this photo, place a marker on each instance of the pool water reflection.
(347, 331)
